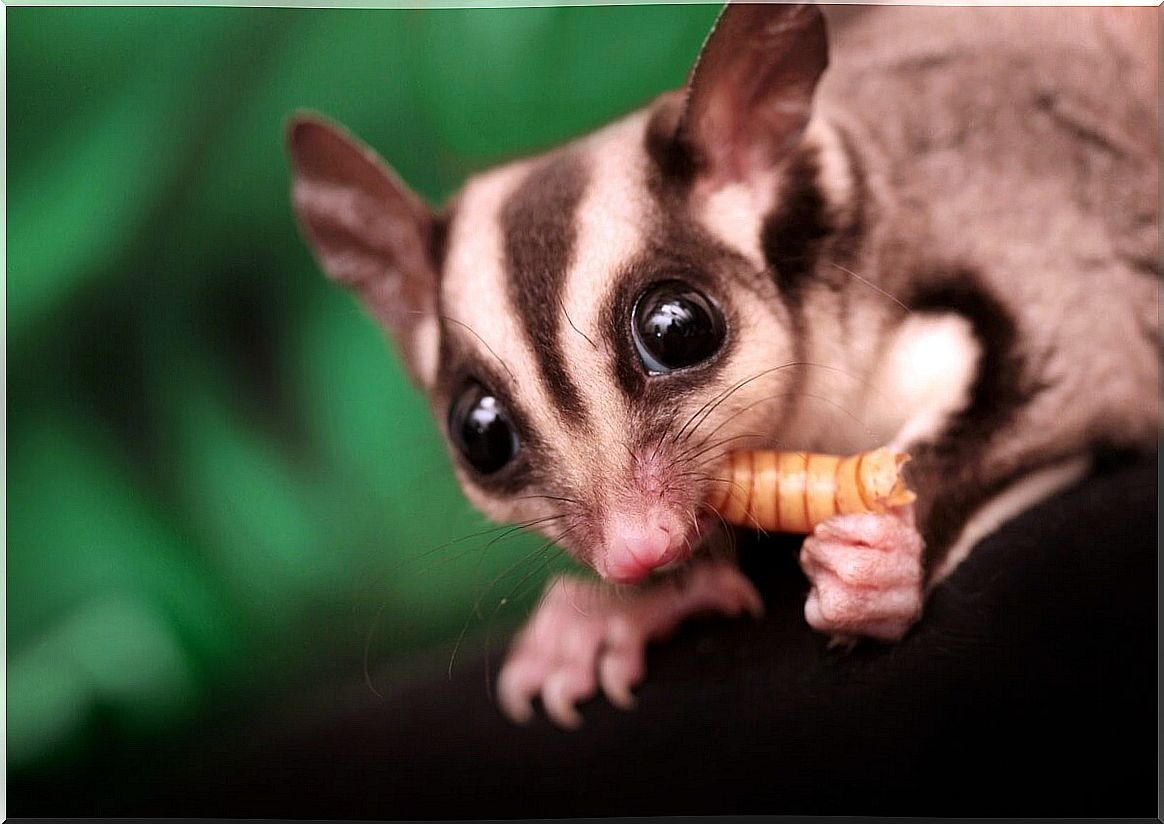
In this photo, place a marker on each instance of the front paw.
(585, 635)
(866, 573)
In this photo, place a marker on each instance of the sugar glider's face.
(595, 327)
(592, 314)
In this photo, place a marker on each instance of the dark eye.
(480, 427)
(674, 326)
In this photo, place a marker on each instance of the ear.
(370, 233)
(750, 92)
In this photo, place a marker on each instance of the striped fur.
(919, 223)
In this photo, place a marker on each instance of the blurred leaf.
(502, 82)
(219, 474)
(75, 205)
(105, 604)
(78, 526)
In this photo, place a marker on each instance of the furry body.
(946, 240)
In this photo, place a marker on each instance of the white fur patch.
(734, 214)
(924, 377)
(834, 174)
(426, 334)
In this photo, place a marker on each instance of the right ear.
(370, 233)
(750, 94)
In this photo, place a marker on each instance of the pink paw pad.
(586, 635)
(866, 573)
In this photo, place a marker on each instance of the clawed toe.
(866, 573)
(583, 638)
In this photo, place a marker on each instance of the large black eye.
(481, 429)
(674, 325)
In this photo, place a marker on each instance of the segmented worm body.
(795, 491)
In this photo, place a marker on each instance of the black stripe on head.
(794, 233)
(673, 164)
(464, 357)
(438, 240)
(539, 228)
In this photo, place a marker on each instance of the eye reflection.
(481, 429)
(674, 326)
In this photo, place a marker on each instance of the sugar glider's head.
(597, 326)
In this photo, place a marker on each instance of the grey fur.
(1020, 144)
(995, 163)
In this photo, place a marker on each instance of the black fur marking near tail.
(538, 223)
(956, 462)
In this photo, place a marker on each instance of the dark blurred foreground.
(1028, 690)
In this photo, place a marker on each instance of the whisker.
(379, 614)
(859, 421)
(548, 498)
(504, 365)
(368, 649)
(426, 553)
(476, 609)
(523, 526)
(705, 411)
(586, 337)
(726, 392)
(666, 428)
(728, 531)
(485, 550)
(724, 396)
(871, 285)
(701, 448)
(543, 556)
(751, 516)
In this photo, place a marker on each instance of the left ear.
(750, 93)
(370, 233)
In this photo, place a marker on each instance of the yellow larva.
(795, 491)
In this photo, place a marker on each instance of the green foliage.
(218, 473)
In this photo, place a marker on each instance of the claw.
(559, 696)
(618, 673)
(515, 690)
(842, 642)
(584, 636)
(753, 604)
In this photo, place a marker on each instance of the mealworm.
(795, 491)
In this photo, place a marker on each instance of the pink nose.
(633, 549)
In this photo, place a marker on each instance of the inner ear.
(749, 96)
(370, 233)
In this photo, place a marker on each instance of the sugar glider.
(935, 228)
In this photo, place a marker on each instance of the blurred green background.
(221, 486)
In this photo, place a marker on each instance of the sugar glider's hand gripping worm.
(795, 491)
